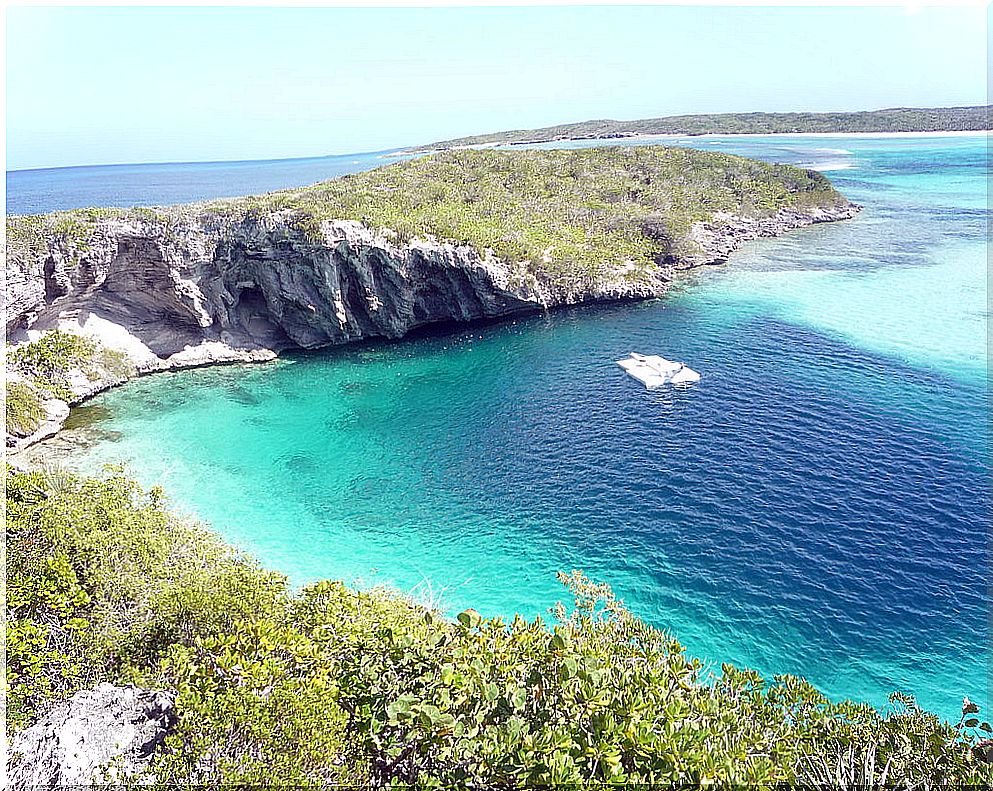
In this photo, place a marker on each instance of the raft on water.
(653, 371)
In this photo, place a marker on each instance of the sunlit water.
(817, 505)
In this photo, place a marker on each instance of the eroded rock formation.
(106, 734)
(182, 288)
(259, 284)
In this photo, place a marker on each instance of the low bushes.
(567, 216)
(49, 362)
(334, 685)
(24, 409)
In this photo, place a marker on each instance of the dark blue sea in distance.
(54, 189)
(818, 505)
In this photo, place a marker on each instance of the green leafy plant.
(331, 685)
(24, 408)
(50, 361)
(101, 581)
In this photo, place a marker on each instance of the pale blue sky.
(118, 84)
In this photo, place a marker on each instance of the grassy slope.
(900, 119)
(331, 685)
(568, 214)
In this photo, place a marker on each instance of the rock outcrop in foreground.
(106, 734)
(242, 280)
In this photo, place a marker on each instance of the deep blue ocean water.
(54, 189)
(819, 504)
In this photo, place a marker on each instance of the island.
(96, 296)
(896, 119)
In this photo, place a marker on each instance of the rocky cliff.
(245, 279)
(196, 290)
(259, 284)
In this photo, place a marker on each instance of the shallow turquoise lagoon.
(817, 505)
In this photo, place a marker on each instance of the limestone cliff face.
(180, 288)
(257, 284)
(184, 289)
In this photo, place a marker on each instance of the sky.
(144, 84)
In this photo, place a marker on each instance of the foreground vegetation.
(897, 119)
(564, 216)
(333, 685)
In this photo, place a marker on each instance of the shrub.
(571, 216)
(50, 359)
(101, 581)
(336, 686)
(24, 409)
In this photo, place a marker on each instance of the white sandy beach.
(959, 133)
(670, 136)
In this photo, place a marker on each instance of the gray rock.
(255, 281)
(724, 233)
(75, 742)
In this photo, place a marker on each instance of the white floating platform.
(654, 371)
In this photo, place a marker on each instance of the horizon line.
(412, 146)
(201, 161)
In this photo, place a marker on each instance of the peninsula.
(105, 294)
(896, 119)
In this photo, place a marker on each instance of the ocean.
(55, 189)
(817, 505)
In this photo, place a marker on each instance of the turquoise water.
(817, 505)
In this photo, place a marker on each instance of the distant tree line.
(896, 119)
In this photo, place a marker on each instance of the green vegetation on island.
(24, 411)
(565, 216)
(43, 368)
(46, 366)
(329, 685)
(896, 119)
(49, 360)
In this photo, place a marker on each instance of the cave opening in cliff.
(252, 315)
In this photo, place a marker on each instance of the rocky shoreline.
(201, 292)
